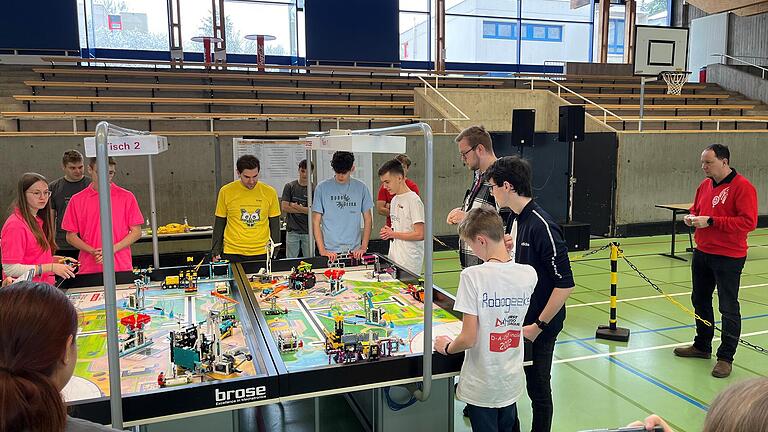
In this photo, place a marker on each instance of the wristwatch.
(710, 221)
(541, 324)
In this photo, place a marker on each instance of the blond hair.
(477, 135)
(482, 221)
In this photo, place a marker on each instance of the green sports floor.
(604, 384)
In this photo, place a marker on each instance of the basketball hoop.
(675, 81)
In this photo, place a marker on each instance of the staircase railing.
(762, 69)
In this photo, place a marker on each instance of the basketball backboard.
(660, 49)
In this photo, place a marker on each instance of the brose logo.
(228, 397)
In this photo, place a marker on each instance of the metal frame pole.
(427, 194)
(153, 214)
(311, 236)
(105, 213)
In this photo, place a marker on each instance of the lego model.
(302, 278)
(350, 348)
(288, 341)
(186, 279)
(373, 315)
(335, 281)
(135, 300)
(274, 309)
(199, 352)
(416, 292)
(135, 339)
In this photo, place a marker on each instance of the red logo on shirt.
(501, 342)
(720, 199)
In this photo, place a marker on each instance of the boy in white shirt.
(494, 298)
(407, 214)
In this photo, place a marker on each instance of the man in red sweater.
(724, 211)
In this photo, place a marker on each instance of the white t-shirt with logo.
(405, 210)
(499, 295)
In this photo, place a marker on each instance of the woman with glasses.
(28, 237)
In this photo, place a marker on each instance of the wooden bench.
(647, 96)
(129, 100)
(332, 69)
(261, 76)
(127, 115)
(672, 107)
(572, 85)
(237, 133)
(215, 87)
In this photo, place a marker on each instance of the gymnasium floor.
(599, 383)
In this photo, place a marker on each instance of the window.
(275, 19)
(126, 24)
(543, 32)
(557, 10)
(499, 30)
(414, 36)
(616, 36)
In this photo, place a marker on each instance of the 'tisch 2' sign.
(131, 145)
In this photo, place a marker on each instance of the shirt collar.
(527, 210)
(727, 179)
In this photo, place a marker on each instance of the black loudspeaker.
(523, 126)
(576, 235)
(571, 123)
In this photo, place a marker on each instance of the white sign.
(360, 143)
(131, 145)
(279, 162)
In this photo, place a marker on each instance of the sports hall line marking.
(650, 379)
(637, 350)
(604, 302)
(657, 330)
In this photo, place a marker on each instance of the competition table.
(144, 401)
(309, 372)
(273, 374)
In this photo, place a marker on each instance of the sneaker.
(692, 351)
(722, 369)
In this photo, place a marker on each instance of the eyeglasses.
(464, 153)
(39, 194)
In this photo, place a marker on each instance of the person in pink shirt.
(28, 237)
(82, 223)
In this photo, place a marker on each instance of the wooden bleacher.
(69, 97)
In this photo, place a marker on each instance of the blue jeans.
(494, 419)
(296, 244)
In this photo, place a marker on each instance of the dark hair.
(36, 320)
(721, 151)
(476, 135)
(246, 162)
(110, 161)
(71, 156)
(404, 159)
(45, 236)
(393, 166)
(303, 164)
(342, 162)
(482, 221)
(514, 170)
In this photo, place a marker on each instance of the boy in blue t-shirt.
(338, 205)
